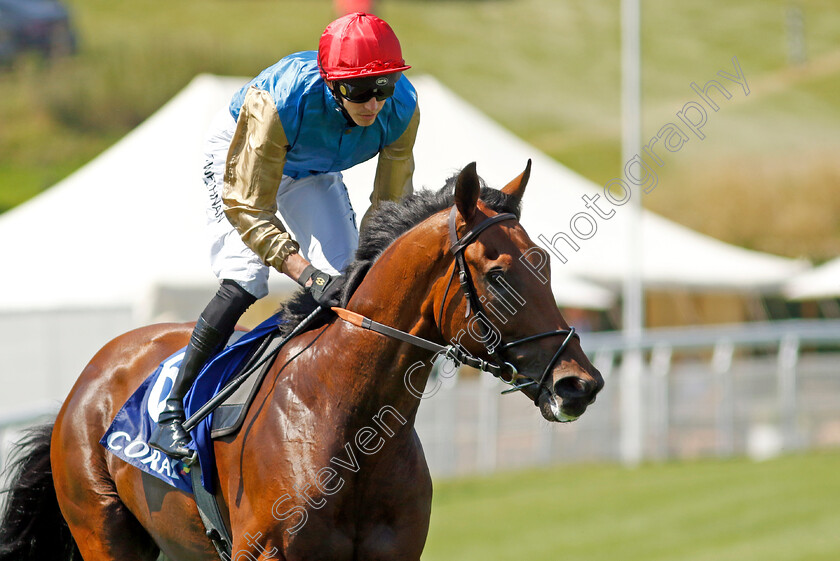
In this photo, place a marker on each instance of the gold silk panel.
(254, 169)
(395, 167)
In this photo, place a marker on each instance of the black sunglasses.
(360, 90)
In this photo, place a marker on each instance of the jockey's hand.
(325, 289)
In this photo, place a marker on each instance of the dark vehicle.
(37, 25)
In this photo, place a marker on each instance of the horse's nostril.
(571, 387)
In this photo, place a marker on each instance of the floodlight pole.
(633, 297)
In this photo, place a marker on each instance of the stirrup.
(171, 439)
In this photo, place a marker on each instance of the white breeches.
(315, 210)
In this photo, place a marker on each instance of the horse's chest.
(368, 540)
(381, 513)
(346, 500)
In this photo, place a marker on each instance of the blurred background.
(725, 446)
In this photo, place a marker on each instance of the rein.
(453, 352)
(503, 370)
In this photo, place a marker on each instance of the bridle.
(500, 368)
(459, 245)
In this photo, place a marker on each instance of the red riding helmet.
(359, 45)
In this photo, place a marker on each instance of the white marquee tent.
(132, 219)
(454, 133)
(818, 283)
(91, 256)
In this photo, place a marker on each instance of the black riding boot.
(169, 435)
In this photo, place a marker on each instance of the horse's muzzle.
(569, 397)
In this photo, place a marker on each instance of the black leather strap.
(458, 244)
(455, 352)
(208, 509)
(267, 350)
(457, 249)
(304, 276)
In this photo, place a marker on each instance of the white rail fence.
(716, 391)
(706, 391)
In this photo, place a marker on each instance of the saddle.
(230, 403)
(227, 418)
(230, 413)
(216, 405)
(230, 407)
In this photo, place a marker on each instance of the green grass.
(547, 70)
(735, 510)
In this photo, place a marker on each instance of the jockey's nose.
(371, 104)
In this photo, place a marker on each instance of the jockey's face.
(364, 114)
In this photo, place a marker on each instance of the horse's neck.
(398, 292)
(398, 288)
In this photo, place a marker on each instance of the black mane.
(383, 226)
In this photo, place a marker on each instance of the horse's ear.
(467, 189)
(516, 188)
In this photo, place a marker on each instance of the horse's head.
(504, 311)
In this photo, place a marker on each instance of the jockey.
(276, 153)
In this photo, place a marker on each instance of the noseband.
(504, 371)
(500, 368)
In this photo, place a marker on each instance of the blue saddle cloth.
(127, 437)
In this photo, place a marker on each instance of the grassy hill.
(765, 176)
(733, 510)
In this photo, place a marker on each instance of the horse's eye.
(495, 274)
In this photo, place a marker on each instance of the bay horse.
(327, 464)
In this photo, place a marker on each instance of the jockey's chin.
(364, 114)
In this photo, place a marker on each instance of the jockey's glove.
(325, 289)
